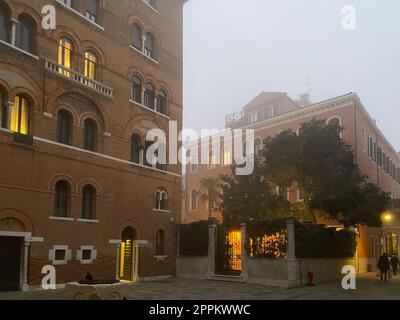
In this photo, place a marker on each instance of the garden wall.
(192, 267)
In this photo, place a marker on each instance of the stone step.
(226, 278)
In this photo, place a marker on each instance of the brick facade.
(125, 191)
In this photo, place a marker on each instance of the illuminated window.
(64, 127)
(88, 202)
(137, 35)
(90, 133)
(91, 65)
(25, 33)
(20, 114)
(136, 90)
(5, 23)
(149, 96)
(65, 53)
(62, 199)
(161, 200)
(227, 157)
(160, 243)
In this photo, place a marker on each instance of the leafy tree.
(249, 197)
(211, 194)
(321, 164)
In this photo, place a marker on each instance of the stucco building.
(76, 190)
(269, 114)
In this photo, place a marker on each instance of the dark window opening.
(62, 199)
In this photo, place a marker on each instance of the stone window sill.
(79, 14)
(61, 218)
(160, 258)
(149, 109)
(143, 54)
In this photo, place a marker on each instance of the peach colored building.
(270, 113)
(76, 104)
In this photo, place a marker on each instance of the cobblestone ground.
(368, 287)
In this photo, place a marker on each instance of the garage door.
(10, 263)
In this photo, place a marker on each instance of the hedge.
(316, 241)
(193, 239)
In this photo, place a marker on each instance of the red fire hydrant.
(310, 278)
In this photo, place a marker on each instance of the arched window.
(92, 10)
(88, 202)
(20, 115)
(161, 200)
(337, 123)
(3, 108)
(91, 65)
(137, 37)
(64, 127)
(5, 23)
(25, 33)
(135, 148)
(149, 48)
(62, 199)
(136, 94)
(65, 52)
(160, 243)
(90, 133)
(193, 200)
(149, 96)
(162, 102)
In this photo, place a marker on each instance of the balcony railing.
(234, 118)
(78, 78)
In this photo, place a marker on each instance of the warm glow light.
(387, 217)
(235, 242)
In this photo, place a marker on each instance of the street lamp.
(387, 217)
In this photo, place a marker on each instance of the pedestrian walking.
(394, 263)
(384, 267)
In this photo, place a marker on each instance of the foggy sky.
(235, 49)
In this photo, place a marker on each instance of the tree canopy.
(322, 165)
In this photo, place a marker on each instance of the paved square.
(368, 287)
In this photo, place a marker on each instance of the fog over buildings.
(235, 49)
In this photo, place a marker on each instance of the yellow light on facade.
(387, 217)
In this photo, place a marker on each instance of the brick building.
(269, 114)
(76, 191)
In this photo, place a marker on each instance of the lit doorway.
(392, 244)
(128, 255)
(235, 250)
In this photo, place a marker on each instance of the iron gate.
(228, 253)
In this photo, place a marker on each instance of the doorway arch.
(392, 244)
(128, 254)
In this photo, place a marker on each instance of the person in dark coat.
(394, 262)
(384, 266)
